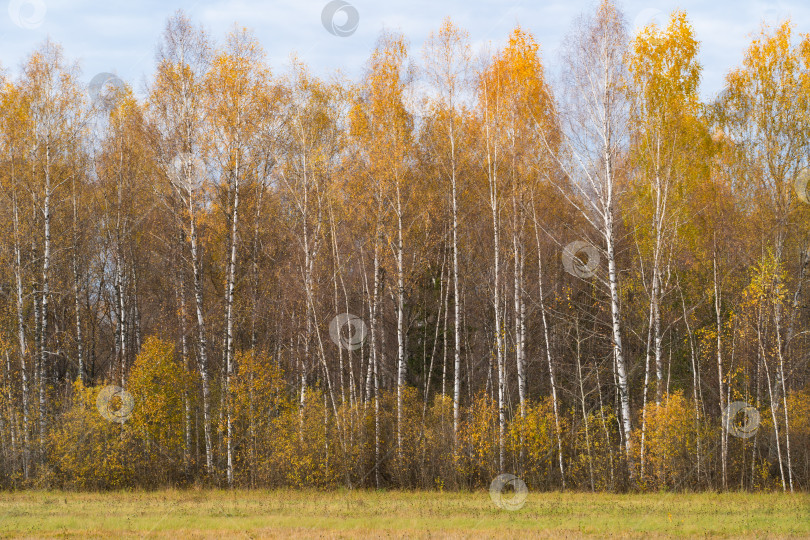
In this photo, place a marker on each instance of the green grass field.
(398, 514)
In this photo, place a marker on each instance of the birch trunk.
(75, 267)
(456, 307)
(23, 349)
(229, 345)
(547, 341)
(720, 386)
(401, 360)
(43, 304)
(196, 268)
(615, 306)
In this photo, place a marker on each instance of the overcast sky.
(120, 37)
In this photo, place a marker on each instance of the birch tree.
(237, 88)
(595, 135)
(447, 64)
(665, 76)
(177, 103)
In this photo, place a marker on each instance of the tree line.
(453, 267)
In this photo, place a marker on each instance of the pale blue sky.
(120, 37)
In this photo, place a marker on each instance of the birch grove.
(459, 263)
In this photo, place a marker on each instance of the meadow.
(398, 514)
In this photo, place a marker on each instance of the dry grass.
(398, 514)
